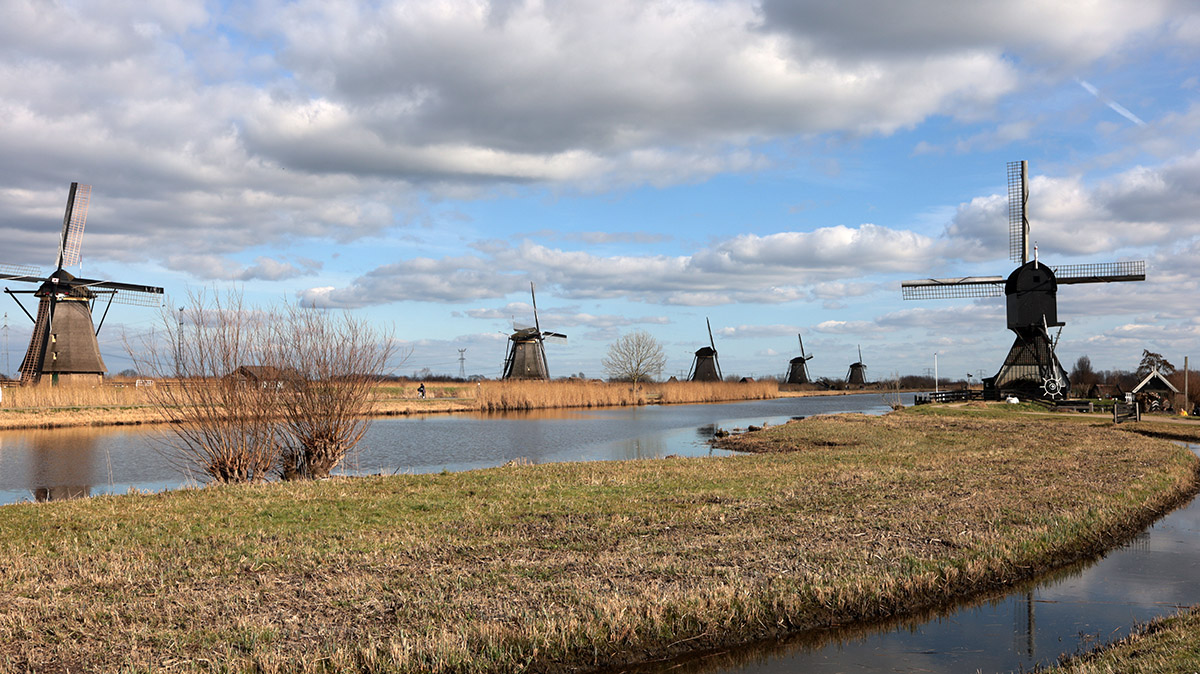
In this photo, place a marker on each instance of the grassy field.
(1168, 646)
(561, 566)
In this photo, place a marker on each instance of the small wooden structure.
(262, 376)
(1112, 391)
(1156, 392)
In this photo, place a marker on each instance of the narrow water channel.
(1064, 613)
(73, 462)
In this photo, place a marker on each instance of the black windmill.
(527, 350)
(1031, 368)
(857, 374)
(798, 367)
(705, 366)
(63, 344)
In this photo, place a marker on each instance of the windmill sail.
(1031, 367)
(63, 343)
(73, 222)
(705, 365)
(798, 366)
(526, 357)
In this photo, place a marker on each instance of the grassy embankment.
(1167, 646)
(556, 566)
(46, 407)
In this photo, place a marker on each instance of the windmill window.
(53, 338)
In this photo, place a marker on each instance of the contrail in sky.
(1117, 107)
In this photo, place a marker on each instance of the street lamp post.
(935, 373)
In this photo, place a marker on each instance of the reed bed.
(564, 567)
(712, 392)
(41, 397)
(500, 396)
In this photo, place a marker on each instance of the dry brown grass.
(712, 392)
(45, 397)
(560, 566)
(499, 396)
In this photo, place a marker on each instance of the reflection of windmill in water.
(63, 344)
(798, 366)
(1032, 367)
(705, 366)
(857, 374)
(527, 351)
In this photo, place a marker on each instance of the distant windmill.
(63, 344)
(798, 366)
(527, 351)
(1032, 367)
(705, 366)
(857, 374)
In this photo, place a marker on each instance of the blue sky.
(777, 167)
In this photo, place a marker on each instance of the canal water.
(73, 462)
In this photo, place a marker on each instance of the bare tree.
(633, 357)
(222, 426)
(331, 363)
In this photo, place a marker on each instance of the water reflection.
(60, 465)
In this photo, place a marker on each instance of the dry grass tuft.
(564, 566)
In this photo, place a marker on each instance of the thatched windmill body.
(857, 374)
(1031, 367)
(63, 345)
(705, 366)
(798, 366)
(526, 357)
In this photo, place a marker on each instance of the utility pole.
(935, 374)
(462, 364)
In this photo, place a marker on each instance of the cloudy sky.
(775, 166)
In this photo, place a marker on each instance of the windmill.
(705, 366)
(527, 351)
(1032, 367)
(63, 344)
(798, 367)
(857, 374)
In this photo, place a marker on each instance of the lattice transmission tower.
(462, 363)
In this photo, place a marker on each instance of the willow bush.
(256, 391)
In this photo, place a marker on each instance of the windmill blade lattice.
(73, 224)
(19, 270)
(133, 298)
(953, 288)
(1018, 220)
(1101, 272)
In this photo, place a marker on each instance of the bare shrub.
(222, 426)
(330, 364)
(255, 391)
